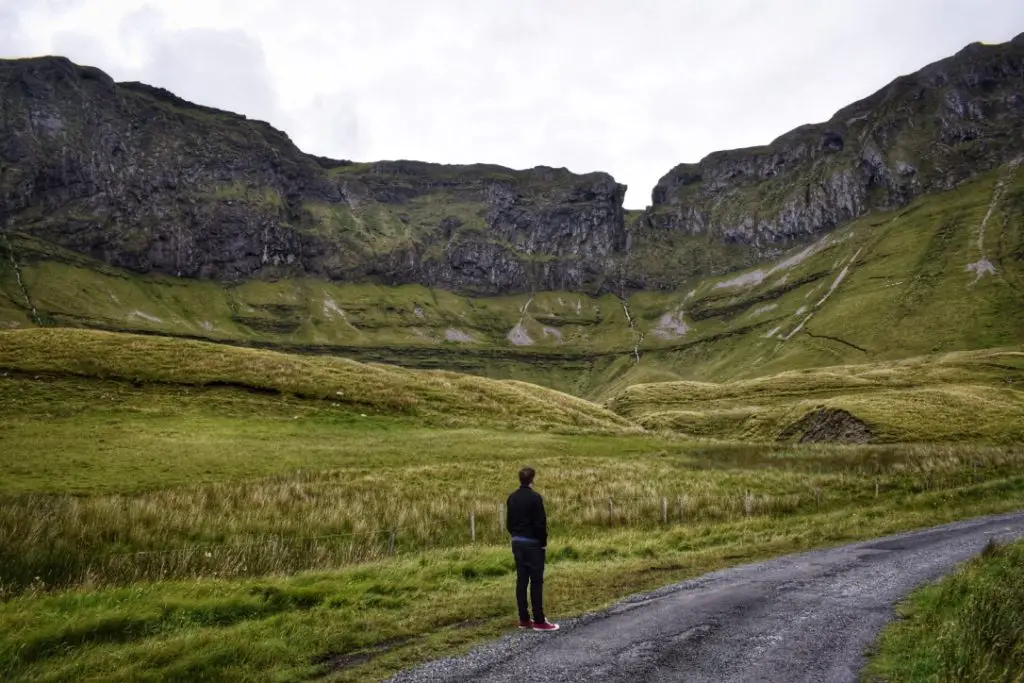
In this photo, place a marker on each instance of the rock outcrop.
(925, 132)
(139, 178)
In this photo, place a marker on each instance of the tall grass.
(322, 519)
(967, 627)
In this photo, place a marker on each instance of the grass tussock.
(966, 627)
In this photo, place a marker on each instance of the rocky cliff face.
(141, 179)
(925, 132)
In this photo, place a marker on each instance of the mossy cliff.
(138, 178)
(126, 208)
(923, 133)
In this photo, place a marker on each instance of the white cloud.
(623, 86)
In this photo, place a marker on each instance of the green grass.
(181, 510)
(961, 396)
(365, 622)
(164, 447)
(966, 627)
(906, 293)
(279, 486)
(448, 397)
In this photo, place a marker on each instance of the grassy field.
(962, 396)
(173, 509)
(340, 383)
(364, 621)
(178, 510)
(966, 627)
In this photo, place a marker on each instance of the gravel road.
(806, 617)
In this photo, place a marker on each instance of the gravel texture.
(806, 617)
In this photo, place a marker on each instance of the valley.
(868, 292)
(259, 409)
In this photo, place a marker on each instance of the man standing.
(527, 522)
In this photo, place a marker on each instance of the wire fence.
(481, 523)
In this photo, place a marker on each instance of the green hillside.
(433, 395)
(961, 396)
(942, 274)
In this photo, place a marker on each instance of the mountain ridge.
(153, 183)
(189, 222)
(885, 287)
(922, 133)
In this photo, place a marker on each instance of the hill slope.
(221, 229)
(923, 133)
(943, 274)
(962, 396)
(452, 398)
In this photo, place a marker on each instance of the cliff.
(140, 179)
(923, 133)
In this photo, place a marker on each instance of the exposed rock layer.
(141, 179)
(925, 132)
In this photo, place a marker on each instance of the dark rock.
(925, 132)
(142, 179)
(828, 425)
(145, 180)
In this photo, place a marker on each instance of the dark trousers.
(529, 571)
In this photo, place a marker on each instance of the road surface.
(806, 617)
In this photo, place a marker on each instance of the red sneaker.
(544, 626)
(526, 624)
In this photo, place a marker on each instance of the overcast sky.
(631, 87)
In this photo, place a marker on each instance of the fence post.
(391, 542)
(876, 488)
(748, 504)
(682, 508)
(664, 510)
(611, 512)
(472, 526)
(817, 497)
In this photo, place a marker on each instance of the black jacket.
(525, 515)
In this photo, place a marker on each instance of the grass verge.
(966, 627)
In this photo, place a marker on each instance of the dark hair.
(526, 476)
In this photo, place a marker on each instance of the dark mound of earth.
(827, 425)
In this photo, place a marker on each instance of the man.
(528, 525)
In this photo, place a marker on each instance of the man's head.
(526, 476)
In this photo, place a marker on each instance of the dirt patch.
(453, 335)
(469, 623)
(828, 425)
(333, 662)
